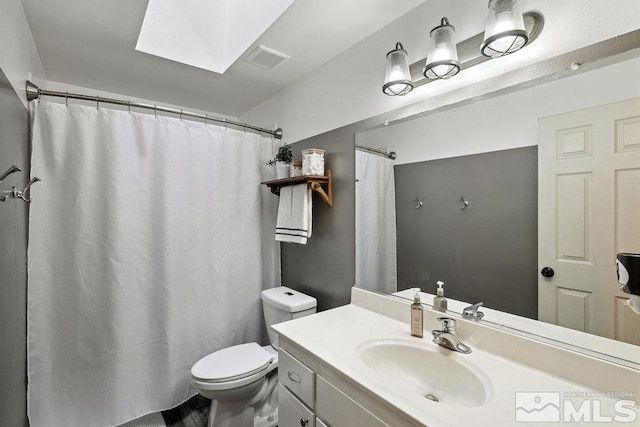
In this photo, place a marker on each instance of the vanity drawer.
(291, 412)
(337, 409)
(296, 377)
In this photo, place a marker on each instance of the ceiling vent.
(265, 57)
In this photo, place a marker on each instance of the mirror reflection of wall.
(453, 139)
(485, 251)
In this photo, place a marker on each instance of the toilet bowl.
(241, 380)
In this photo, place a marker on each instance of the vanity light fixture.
(442, 60)
(505, 31)
(397, 79)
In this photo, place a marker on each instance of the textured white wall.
(18, 53)
(348, 88)
(503, 122)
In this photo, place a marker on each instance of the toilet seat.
(232, 366)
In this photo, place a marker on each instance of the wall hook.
(20, 194)
(9, 171)
(464, 203)
(419, 203)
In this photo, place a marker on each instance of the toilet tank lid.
(288, 299)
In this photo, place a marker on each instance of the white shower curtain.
(150, 239)
(375, 223)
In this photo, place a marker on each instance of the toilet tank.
(281, 304)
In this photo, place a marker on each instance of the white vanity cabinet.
(307, 399)
(353, 385)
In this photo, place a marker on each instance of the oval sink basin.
(431, 373)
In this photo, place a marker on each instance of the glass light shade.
(442, 59)
(505, 31)
(397, 79)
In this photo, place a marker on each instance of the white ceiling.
(91, 43)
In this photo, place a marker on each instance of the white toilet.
(241, 380)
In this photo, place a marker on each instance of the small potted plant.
(282, 162)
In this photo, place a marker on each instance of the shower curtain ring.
(129, 107)
(180, 115)
(97, 102)
(204, 119)
(66, 99)
(155, 110)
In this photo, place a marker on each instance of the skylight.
(208, 34)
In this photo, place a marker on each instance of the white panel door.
(588, 211)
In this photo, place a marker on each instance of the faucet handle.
(472, 311)
(448, 324)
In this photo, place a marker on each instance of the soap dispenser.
(417, 315)
(439, 301)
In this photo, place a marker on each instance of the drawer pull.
(304, 421)
(296, 378)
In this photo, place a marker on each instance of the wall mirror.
(463, 203)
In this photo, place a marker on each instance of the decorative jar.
(313, 162)
(296, 168)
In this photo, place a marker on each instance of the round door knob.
(547, 272)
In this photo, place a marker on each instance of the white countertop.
(334, 336)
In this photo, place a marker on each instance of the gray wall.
(13, 267)
(325, 266)
(488, 252)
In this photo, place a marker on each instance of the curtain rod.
(391, 155)
(34, 92)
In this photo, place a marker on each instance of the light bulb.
(397, 77)
(505, 31)
(442, 60)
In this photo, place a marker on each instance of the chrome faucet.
(472, 312)
(445, 337)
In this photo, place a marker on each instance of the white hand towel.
(294, 214)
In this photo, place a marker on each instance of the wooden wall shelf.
(316, 183)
